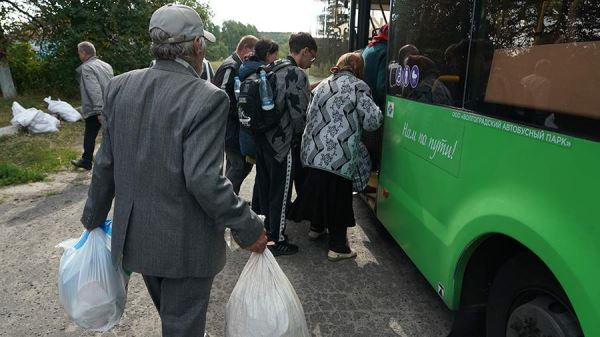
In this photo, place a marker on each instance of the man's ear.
(198, 46)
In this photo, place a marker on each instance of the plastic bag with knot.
(264, 303)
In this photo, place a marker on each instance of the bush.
(25, 67)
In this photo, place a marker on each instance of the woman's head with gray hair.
(86, 50)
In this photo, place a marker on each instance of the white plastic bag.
(36, 121)
(63, 109)
(264, 303)
(230, 241)
(90, 287)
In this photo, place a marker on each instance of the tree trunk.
(7, 85)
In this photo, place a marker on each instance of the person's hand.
(260, 244)
(101, 120)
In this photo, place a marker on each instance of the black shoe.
(283, 248)
(84, 164)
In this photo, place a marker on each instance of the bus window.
(538, 63)
(428, 50)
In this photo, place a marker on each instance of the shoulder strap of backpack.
(280, 65)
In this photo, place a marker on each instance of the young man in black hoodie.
(275, 147)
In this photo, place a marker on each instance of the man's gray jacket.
(94, 75)
(161, 158)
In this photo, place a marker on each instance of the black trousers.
(327, 203)
(92, 127)
(236, 168)
(274, 187)
(181, 304)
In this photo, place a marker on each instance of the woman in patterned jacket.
(342, 107)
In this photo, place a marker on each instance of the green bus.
(490, 171)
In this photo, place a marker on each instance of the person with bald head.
(342, 107)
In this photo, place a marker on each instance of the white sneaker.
(334, 256)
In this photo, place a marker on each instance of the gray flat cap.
(181, 22)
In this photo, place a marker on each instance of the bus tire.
(525, 298)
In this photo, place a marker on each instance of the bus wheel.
(526, 300)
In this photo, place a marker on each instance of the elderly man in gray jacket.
(161, 159)
(94, 75)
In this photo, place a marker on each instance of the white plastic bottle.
(236, 87)
(266, 94)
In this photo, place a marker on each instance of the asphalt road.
(378, 294)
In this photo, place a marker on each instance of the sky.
(269, 15)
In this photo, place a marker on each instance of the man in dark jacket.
(94, 75)
(237, 168)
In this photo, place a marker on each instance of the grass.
(28, 157)
(10, 174)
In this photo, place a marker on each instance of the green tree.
(217, 50)
(25, 65)
(232, 31)
(281, 38)
(118, 29)
(7, 86)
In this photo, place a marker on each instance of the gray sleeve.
(102, 188)
(202, 159)
(92, 87)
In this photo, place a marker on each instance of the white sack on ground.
(63, 109)
(90, 287)
(36, 121)
(264, 303)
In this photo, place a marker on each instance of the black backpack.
(251, 114)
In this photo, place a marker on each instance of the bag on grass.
(36, 121)
(90, 287)
(63, 109)
(264, 303)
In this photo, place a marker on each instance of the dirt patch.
(54, 184)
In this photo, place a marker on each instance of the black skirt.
(325, 201)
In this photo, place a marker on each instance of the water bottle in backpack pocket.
(236, 86)
(266, 93)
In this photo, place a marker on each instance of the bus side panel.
(452, 177)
